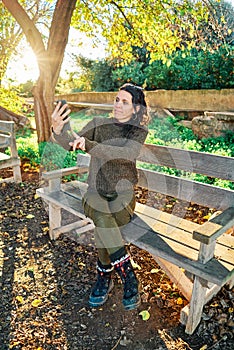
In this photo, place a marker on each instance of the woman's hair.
(141, 114)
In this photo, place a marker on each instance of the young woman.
(113, 144)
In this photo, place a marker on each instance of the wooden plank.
(226, 239)
(5, 140)
(146, 239)
(8, 179)
(7, 126)
(195, 306)
(86, 228)
(188, 190)
(73, 226)
(75, 188)
(66, 201)
(102, 106)
(212, 229)
(54, 219)
(204, 236)
(4, 156)
(9, 162)
(181, 240)
(210, 293)
(212, 165)
(171, 219)
(199, 290)
(61, 172)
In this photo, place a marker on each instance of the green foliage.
(53, 156)
(222, 145)
(183, 71)
(130, 73)
(156, 26)
(28, 148)
(25, 89)
(10, 100)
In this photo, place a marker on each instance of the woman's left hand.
(78, 143)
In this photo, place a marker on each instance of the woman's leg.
(108, 236)
(107, 217)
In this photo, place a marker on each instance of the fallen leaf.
(179, 301)
(135, 265)
(20, 299)
(207, 217)
(36, 302)
(30, 216)
(154, 270)
(204, 347)
(145, 315)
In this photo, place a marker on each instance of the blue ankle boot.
(131, 296)
(102, 287)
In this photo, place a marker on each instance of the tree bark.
(49, 59)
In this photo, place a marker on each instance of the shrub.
(10, 100)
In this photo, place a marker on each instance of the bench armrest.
(58, 174)
(211, 230)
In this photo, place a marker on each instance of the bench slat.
(7, 161)
(192, 161)
(213, 271)
(184, 224)
(212, 229)
(63, 200)
(188, 190)
(182, 241)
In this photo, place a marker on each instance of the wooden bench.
(199, 259)
(7, 139)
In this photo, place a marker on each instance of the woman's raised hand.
(59, 117)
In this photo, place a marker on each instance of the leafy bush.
(28, 148)
(192, 70)
(10, 100)
(184, 70)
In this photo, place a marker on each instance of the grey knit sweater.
(114, 148)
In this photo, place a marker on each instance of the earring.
(134, 116)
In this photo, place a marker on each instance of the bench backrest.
(7, 136)
(190, 162)
(185, 188)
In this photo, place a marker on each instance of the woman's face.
(123, 107)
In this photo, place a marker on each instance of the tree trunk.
(49, 59)
(43, 93)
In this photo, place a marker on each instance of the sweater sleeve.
(129, 148)
(64, 138)
(67, 135)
